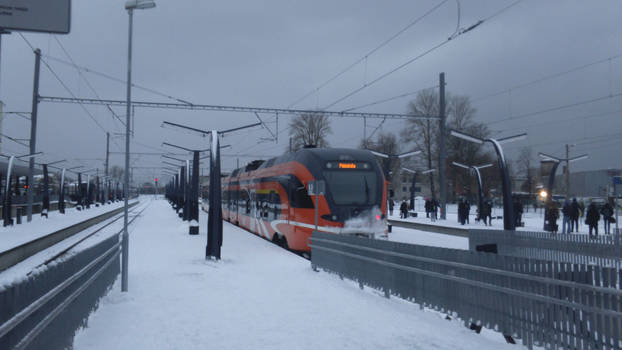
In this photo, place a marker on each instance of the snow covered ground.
(534, 221)
(407, 235)
(12, 236)
(259, 296)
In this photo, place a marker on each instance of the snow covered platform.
(258, 296)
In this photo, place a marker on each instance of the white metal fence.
(551, 304)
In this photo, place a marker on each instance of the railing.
(541, 302)
(30, 306)
(604, 250)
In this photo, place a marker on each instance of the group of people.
(572, 211)
(403, 208)
(431, 208)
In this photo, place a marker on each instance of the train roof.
(309, 156)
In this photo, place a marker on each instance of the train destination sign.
(49, 16)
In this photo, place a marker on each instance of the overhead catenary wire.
(67, 89)
(388, 99)
(546, 77)
(456, 34)
(556, 108)
(372, 51)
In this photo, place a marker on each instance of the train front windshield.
(358, 187)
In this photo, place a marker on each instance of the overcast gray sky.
(270, 53)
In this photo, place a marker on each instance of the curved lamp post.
(508, 207)
(480, 187)
(414, 182)
(551, 183)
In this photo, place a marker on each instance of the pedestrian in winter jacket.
(591, 218)
(567, 228)
(403, 210)
(551, 216)
(607, 213)
(574, 215)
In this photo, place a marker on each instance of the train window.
(352, 188)
(299, 198)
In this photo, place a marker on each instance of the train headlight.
(377, 217)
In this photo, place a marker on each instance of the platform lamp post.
(551, 183)
(6, 206)
(45, 201)
(214, 224)
(480, 188)
(61, 188)
(180, 186)
(192, 204)
(414, 182)
(508, 207)
(130, 6)
(387, 164)
(88, 187)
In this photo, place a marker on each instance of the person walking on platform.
(403, 210)
(391, 205)
(434, 209)
(427, 207)
(566, 217)
(607, 213)
(486, 213)
(551, 215)
(461, 211)
(574, 215)
(467, 209)
(591, 219)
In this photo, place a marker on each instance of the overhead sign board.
(47, 16)
(617, 180)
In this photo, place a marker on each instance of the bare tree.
(423, 132)
(309, 129)
(460, 115)
(116, 172)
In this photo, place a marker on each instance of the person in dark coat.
(427, 207)
(607, 213)
(403, 210)
(574, 215)
(566, 217)
(486, 213)
(467, 210)
(552, 214)
(434, 209)
(591, 218)
(461, 212)
(391, 205)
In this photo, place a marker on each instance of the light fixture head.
(139, 4)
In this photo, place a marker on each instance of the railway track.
(23, 251)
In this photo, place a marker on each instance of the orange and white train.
(271, 198)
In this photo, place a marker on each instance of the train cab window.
(299, 198)
(276, 204)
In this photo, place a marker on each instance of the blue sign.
(617, 180)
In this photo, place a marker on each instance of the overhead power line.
(456, 34)
(67, 89)
(118, 80)
(546, 77)
(552, 109)
(388, 99)
(371, 52)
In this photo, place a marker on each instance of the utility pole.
(107, 152)
(443, 157)
(33, 134)
(567, 172)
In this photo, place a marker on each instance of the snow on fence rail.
(544, 303)
(604, 250)
(45, 310)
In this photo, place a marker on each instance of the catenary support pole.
(194, 195)
(45, 205)
(443, 148)
(33, 135)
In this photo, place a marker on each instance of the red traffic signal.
(156, 179)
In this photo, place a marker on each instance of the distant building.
(592, 183)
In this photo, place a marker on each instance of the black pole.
(79, 192)
(412, 191)
(33, 136)
(214, 222)
(508, 207)
(6, 206)
(45, 206)
(549, 190)
(182, 192)
(480, 191)
(61, 193)
(187, 194)
(194, 195)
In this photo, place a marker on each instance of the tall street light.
(130, 6)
